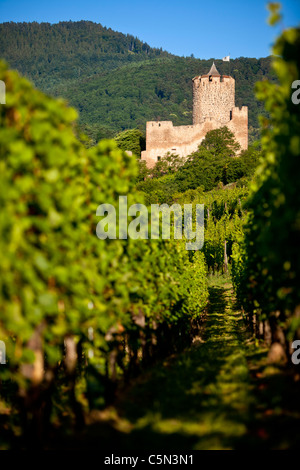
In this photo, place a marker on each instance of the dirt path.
(215, 395)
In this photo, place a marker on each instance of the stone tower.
(213, 97)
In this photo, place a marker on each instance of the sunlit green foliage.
(131, 140)
(221, 142)
(77, 313)
(267, 263)
(224, 219)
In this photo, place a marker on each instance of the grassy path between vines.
(218, 394)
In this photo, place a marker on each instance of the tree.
(132, 140)
(170, 163)
(221, 142)
(143, 171)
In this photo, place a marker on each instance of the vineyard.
(142, 342)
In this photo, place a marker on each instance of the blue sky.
(211, 28)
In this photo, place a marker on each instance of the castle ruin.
(213, 107)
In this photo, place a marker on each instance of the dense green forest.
(115, 81)
(49, 54)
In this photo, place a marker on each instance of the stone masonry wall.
(163, 137)
(213, 97)
(239, 125)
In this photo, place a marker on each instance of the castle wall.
(239, 125)
(162, 137)
(213, 107)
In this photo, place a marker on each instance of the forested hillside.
(50, 54)
(116, 81)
